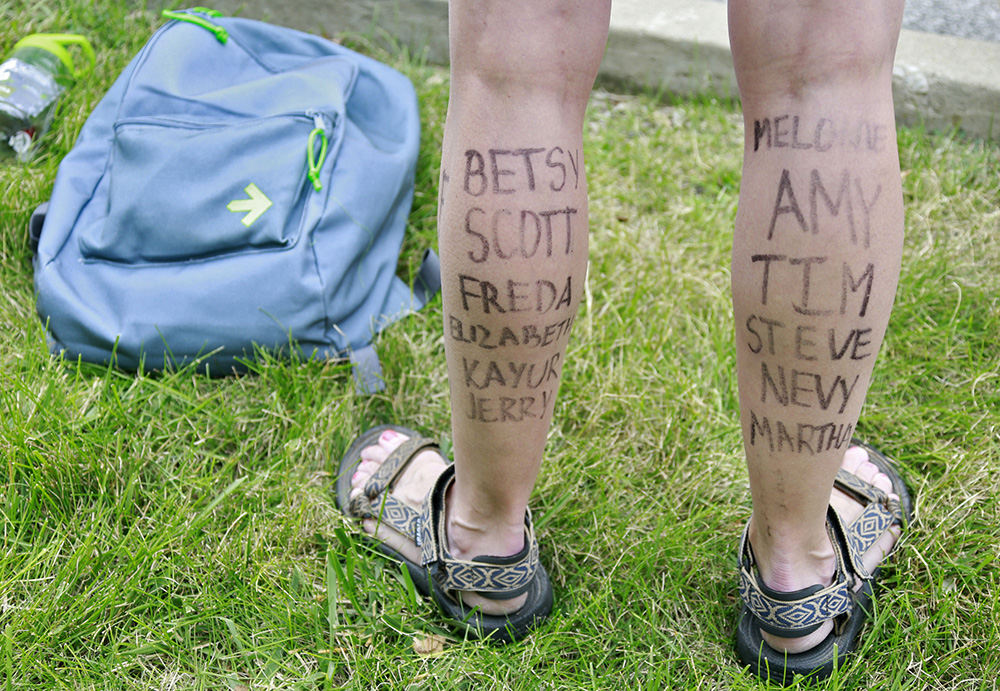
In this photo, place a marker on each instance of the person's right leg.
(815, 264)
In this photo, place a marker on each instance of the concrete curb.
(682, 47)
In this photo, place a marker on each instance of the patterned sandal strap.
(375, 502)
(390, 512)
(800, 612)
(867, 493)
(878, 516)
(394, 464)
(498, 578)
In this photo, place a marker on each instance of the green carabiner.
(316, 164)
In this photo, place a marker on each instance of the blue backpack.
(240, 185)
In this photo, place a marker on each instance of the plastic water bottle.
(32, 79)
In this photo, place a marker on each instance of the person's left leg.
(513, 244)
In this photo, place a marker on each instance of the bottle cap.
(56, 44)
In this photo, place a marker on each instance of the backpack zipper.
(315, 162)
(316, 151)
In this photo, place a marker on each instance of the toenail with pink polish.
(389, 435)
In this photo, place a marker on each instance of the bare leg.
(513, 240)
(815, 264)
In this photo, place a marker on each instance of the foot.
(465, 541)
(786, 573)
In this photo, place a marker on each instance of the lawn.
(175, 531)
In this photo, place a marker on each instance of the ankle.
(467, 542)
(788, 561)
(475, 537)
(473, 532)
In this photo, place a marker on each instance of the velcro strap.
(428, 280)
(880, 514)
(793, 614)
(803, 611)
(394, 464)
(864, 532)
(389, 512)
(865, 492)
(360, 506)
(498, 578)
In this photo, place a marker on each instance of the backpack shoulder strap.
(428, 280)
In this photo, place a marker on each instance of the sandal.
(439, 575)
(802, 612)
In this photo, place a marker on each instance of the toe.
(368, 466)
(853, 458)
(372, 457)
(866, 471)
(363, 473)
(375, 454)
(873, 475)
(856, 461)
(882, 482)
(386, 443)
(390, 439)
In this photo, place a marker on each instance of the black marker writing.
(804, 389)
(530, 336)
(506, 171)
(812, 439)
(848, 200)
(769, 336)
(809, 270)
(516, 296)
(490, 409)
(792, 131)
(524, 233)
(480, 374)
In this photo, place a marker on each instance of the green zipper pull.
(220, 32)
(315, 164)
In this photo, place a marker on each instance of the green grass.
(174, 531)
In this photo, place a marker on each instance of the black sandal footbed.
(819, 661)
(499, 628)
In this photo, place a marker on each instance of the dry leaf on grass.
(428, 645)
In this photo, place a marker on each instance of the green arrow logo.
(254, 207)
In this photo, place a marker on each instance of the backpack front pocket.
(181, 191)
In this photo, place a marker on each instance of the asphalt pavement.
(978, 19)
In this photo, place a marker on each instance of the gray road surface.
(979, 19)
